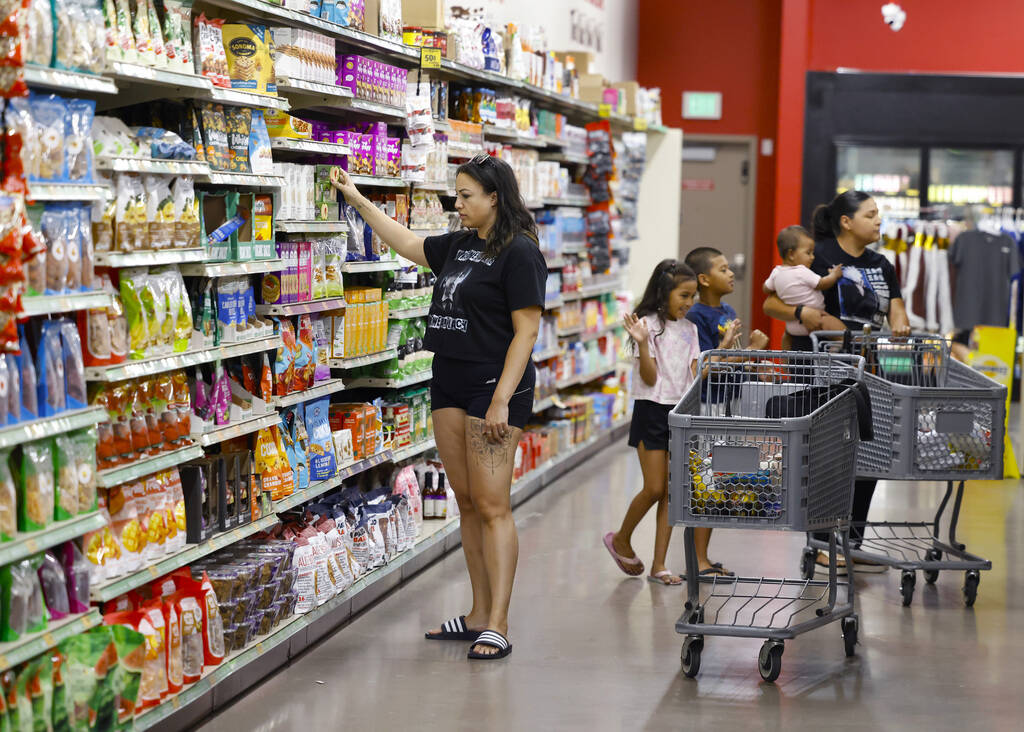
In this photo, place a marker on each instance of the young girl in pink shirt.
(666, 348)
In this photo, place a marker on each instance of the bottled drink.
(441, 507)
(428, 497)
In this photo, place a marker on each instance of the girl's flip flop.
(631, 566)
(662, 578)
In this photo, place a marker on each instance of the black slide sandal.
(492, 639)
(454, 630)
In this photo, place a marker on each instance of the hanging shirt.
(863, 293)
(471, 312)
(674, 346)
(984, 265)
(708, 321)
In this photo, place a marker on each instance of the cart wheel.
(907, 582)
(807, 563)
(971, 580)
(690, 655)
(769, 660)
(850, 635)
(931, 575)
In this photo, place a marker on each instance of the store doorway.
(717, 205)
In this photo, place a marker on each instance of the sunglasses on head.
(481, 159)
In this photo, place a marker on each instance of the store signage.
(702, 105)
(430, 58)
(698, 184)
(604, 110)
(640, 124)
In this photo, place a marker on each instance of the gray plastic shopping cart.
(765, 440)
(934, 419)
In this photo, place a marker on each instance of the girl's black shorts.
(649, 425)
(470, 385)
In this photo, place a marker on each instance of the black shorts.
(649, 425)
(470, 385)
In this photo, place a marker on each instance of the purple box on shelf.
(356, 13)
(350, 73)
(394, 157)
(291, 278)
(305, 272)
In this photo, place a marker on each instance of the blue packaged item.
(13, 390)
(319, 445)
(74, 365)
(48, 128)
(50, 361)
(78, 139)
(29, 397)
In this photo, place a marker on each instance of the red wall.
(731, 46)
(939, 36)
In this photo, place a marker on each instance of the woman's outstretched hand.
(342, 181)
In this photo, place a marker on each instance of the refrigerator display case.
(891, 174)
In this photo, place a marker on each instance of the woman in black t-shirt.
(482, 325)
(867, 294)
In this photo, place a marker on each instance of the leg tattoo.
(493, 455)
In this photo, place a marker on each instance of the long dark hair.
(512, 217)
(667, 276)
(827, 219)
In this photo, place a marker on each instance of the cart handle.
(753, 358)
(833, 335)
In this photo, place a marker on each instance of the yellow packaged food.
(282, 124)
(250, 64)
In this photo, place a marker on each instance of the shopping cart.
(934, 419)
(772, 445)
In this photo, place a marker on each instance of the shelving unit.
(67, 192)
(310, 227)
(60, 80)
(153, 167)
(409, 313)
(417, 448)
(540, 406)
(302, 308)
(138, 259)
(26, 544)
(547, 354)
(374, 383)
(147, 466)
(307, 147)
(322, 389)
(59, 304)
(244, 180)
(37, 429)
(160, 364)
(381, 266)
(31, 645)
(231, 269)
(237, 429)
(357, 361)
(378, 181)
(583, 378)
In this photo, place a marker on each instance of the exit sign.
(702, 105)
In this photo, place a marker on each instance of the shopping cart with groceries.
(934, 419)
(766, 440)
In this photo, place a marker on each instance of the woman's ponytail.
(825, 223)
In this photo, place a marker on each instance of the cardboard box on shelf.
(582, 60)
(592, 87)
(423, 14)
(630, 96)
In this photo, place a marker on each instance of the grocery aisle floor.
(595, 650)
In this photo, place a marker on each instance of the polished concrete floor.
(595, 650)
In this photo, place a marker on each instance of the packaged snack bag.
(29, 384)
(320, 448)
(8, 498)
(250, 64)
(213, 626)
(50, 361)
(17, 583)
(272, 463)
(84, 446)
(284, 365)
(261, 161)
(131, 662)
(126, 527)
(305, 360)
(190, 613)
(74, 367)
(54, 586)
(76, 576)
(36, 486)
(153, 681)
(322, 370)
(215, 134)
(172, 622)
(186, 213)
(66, 471)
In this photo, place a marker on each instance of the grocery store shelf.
(566, 332)
(554, 304)
(567, 201)
(514, 137)
(570, 158)
(409, 313)
(68, 81)
(244, 180)
(547, 353)
(378, 181)
(384, 265)
(266, 654)
(440, 186)
(58, 304)
(583, 378)
(237, 429)
(159, 364)
(37, 429)
(231, 269)
(372, 108)
(311, 227)
(556, 263)
(31, 645)
(307, 147)
(417, 448)
(304, 94)
(375, 383)
(600, 332)
(137, 259)
(157, 167)
(324, 388)
(458, 152)
(67, 192)
(430, 232)
(356, 361)
(543, 404)
(27, 544)
(239, 98)
(117, 586)
(600, 288)
(161, 77)
(147, 465)
(302, 308)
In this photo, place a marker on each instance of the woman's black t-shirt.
(862, 295)
(471, 312)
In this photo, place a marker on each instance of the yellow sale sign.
(993, 355)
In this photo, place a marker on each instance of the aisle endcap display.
(231, 269)
(159, 364)
(142, 259)
(147, 465)
(359, 361)
(63, 80)
(37, 429)
(13, 653)
(58, 304)
(303, 308)
(29, 543)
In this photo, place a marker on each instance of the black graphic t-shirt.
(471, 312)
(863, 293)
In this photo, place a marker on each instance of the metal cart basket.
(934, 419)
(765, 440)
